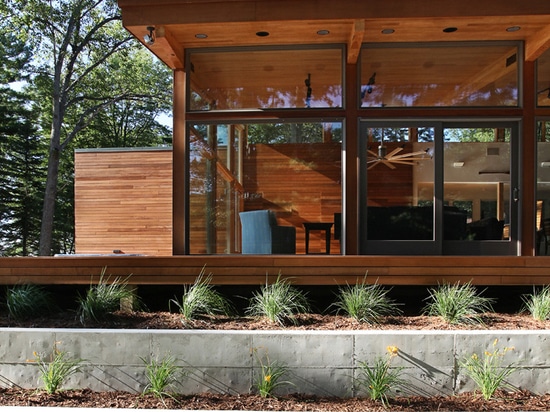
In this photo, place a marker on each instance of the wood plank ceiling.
(208, 23)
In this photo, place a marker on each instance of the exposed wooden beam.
(355, 40)
(167, 49)
(537, 44)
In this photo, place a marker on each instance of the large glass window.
(265, 79)
(543, 188)
(543, 79)
(477, 182)
(440, 74)
(291, 169)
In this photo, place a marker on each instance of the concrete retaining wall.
(319, 362)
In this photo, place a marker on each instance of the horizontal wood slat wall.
(123, 200)
(303, 270)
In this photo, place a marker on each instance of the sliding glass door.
(438, 188)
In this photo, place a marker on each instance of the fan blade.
(388, 163)
(393, 152)
(409, 154)
(373, 154)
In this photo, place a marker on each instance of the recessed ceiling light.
(513, 28)
(388, 31)
(450, 29)
(262, 33)
(323, 32)
(201, 35)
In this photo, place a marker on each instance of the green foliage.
(381, 378)
(27, 301)
(487, 370)
(161, 375)
(457, 303)
(55, 371)
(201, 298)
(538, 303)
(366, 303)
(279, 302)
(103, 298)
(271, 373)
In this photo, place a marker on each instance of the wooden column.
(528, 171)
(350, 215)
(179, 161)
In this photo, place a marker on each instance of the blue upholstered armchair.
(262, 235)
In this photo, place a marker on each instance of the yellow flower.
(487, 353)
(267, 378)
(393, 350)
(495, 342)
(474, 356)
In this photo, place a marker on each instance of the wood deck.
(305, 270)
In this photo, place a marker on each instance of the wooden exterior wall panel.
(123, 200)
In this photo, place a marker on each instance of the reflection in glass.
(543, 79)
(400, 173)
(477, 183)
(292, 169)
(433, 75)
(266, 79)
(543, 188)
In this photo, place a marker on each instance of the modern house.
(411, 135)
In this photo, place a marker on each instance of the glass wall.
(543, 188)
(265, 79)
(543, 79)
(477, 181)
(439, 74)
(292, 169)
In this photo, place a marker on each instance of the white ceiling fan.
(393, 157)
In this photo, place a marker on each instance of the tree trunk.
(50, 194)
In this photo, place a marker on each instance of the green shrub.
(279, 302)
(366, 303)
(161, 375)
(457, 303)
(379, 379)
(538, 303)
(487, 370)
(55, 372)
(103, 299)
(271, 373)
(27, 301)
(201, 298)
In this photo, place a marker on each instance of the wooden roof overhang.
(231, 23)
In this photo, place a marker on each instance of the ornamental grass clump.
(57, 369)
(270, 376)
(538, 303)
(162, 375)
(201, 298)
(457, 303)
(380, 378)
(104, 298)
(487, 370)
(28, 301)
(366, 303)
(279, 302)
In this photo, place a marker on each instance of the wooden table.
(318, 226)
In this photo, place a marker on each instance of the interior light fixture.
(201, 36)
(458, 164)
(544, 164)
(513, 29)
(262, 33)
(388, 31)
(149, 38)
(450, 29)
(323, 32)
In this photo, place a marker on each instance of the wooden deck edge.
(256, 269)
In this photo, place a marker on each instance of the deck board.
(304, 270)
